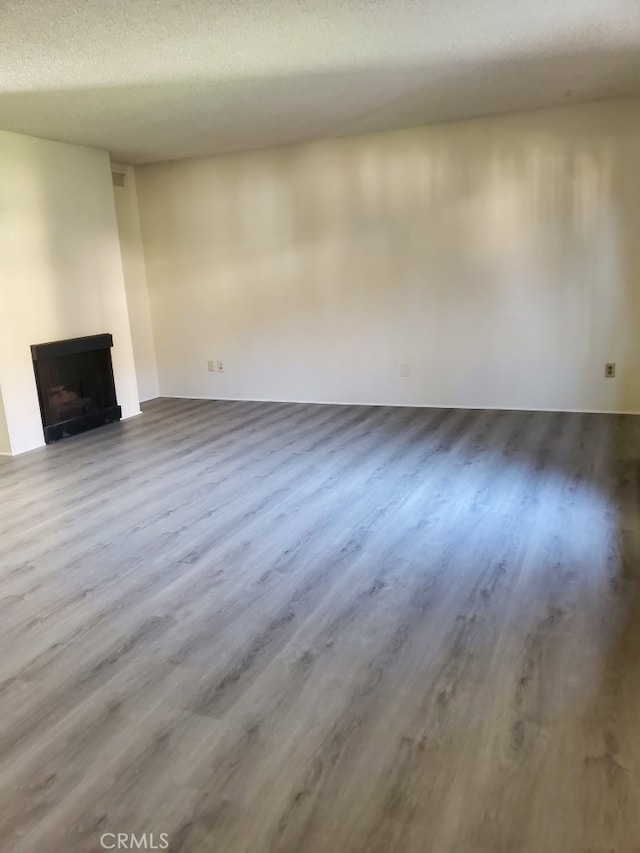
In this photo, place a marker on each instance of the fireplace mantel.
(76, 389)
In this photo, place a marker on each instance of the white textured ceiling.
(159, 79)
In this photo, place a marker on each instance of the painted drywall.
(135, 280)
(60, 269)
(498, 259)
(5, 444)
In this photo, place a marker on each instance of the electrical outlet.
(211, 366)
(404, 370)
(610, 370)
(220, 366)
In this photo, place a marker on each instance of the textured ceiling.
(154, 80)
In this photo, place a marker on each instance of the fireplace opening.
(75, 385)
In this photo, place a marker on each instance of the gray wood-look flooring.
(323, 629)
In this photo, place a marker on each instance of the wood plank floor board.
(285, 627)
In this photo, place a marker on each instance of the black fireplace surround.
(75, 385)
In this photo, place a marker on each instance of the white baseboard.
(402, 405)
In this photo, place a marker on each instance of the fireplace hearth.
(75, 385)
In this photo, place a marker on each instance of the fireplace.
(75, 385)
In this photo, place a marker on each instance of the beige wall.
(498, 258)
(60, 269)
(135, 280)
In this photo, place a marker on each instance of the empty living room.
(320, 426)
